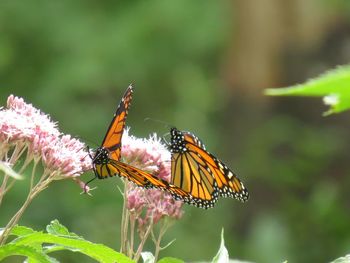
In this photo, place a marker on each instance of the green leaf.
(55, 228)
(22, 250)
(222, 255)
(334, 86)
(53, 248)
(22, 231)
(96, 251)
(9, 171)
(170, 260)
(59, 238)
(345, 259)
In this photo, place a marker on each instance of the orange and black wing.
(201, 174)
(137, 176)
(112, 140)
(189, 173)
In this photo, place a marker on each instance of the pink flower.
(65, 155)
(38, 122)
(22, 123)
(149, 155)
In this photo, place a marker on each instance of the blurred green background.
(201, 66)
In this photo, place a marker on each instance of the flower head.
(149, 155)
(37, 123)
(66, 155)
(21, 123)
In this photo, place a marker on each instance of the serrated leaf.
(54, 248)
(334, 86)
(345, 259)
(56, 228)
(170, 260)
(6, 168)
(222, 255)
(22, 250)
(22, 231)
(98, 252)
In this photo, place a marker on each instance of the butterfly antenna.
(86, 184)
(164, 138)
(166, 124)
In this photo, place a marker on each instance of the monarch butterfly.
(106, 160)
(200, 174)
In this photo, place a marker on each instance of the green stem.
(132, 234)
(157, 241)
(28, 160)
(3, 187)
(124, 223)
(4, 148)
(14, 220)
(142, 243)
(17, 152)
(33, 174)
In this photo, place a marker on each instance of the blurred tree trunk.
(271, 45)
(264, 30)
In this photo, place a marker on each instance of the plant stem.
(14, 220)
(142, 243)
(28, 160)
(157, 242)
(4, 148)
(125, 220)
(132, 234)
(17, 152)
(3, 187)
(33, 174)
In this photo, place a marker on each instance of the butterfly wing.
(112, 140)
(201, 174)
(227, 183)
(189, 173)
(106, 159)
(133, 174)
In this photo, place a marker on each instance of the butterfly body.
(197, 177)
(200, 174)
(106, 159)
(100, 158)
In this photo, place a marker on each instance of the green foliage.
(34, 245)
(85, 54)
(170, 260)
(334, 85)
(29, 252)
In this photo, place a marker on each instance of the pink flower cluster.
(149, 155)
(21, 123)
